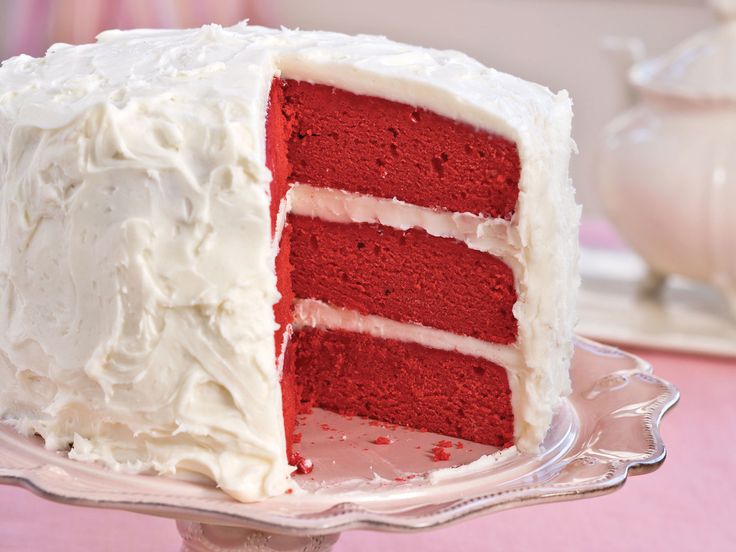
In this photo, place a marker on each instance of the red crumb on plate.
(303, 465)
(382, 440)
(440, 454)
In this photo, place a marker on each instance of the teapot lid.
(701, 68)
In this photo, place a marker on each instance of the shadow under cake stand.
(605, 430)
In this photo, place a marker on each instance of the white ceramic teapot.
(667, 167)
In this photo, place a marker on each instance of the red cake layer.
(404, 383)
(407, 276)
(290, 400)
(387, 149)
(278, 164)
(283, 311)
(277, 138)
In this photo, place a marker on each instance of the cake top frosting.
(189, 65)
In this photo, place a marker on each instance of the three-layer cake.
(205, 232)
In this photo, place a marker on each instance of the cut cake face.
(369, 148)
(206, 232)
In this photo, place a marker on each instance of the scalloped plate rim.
(351, 516)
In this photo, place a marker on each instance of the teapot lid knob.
(725, 9)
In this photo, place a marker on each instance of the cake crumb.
(306, 466)
(297, 438)
(303, 465)
(382, 440)
(459, 445)
(440, 454)
(444, 443)
(289, 491)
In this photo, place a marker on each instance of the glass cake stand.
(605, 430)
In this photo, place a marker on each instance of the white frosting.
(136, 263)
(316, 314)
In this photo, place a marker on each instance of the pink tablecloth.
(689, 504)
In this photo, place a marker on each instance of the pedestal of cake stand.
(202, 537)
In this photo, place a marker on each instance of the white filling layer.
(496, 236)
(316, 314)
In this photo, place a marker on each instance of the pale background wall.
(555, 42)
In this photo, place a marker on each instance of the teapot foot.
(730, 296)
(651, 286)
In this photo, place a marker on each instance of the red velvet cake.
(205, 232)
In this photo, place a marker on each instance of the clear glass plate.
(605, 430)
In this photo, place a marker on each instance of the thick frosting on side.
(136, 263)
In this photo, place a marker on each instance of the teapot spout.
(624, 52)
